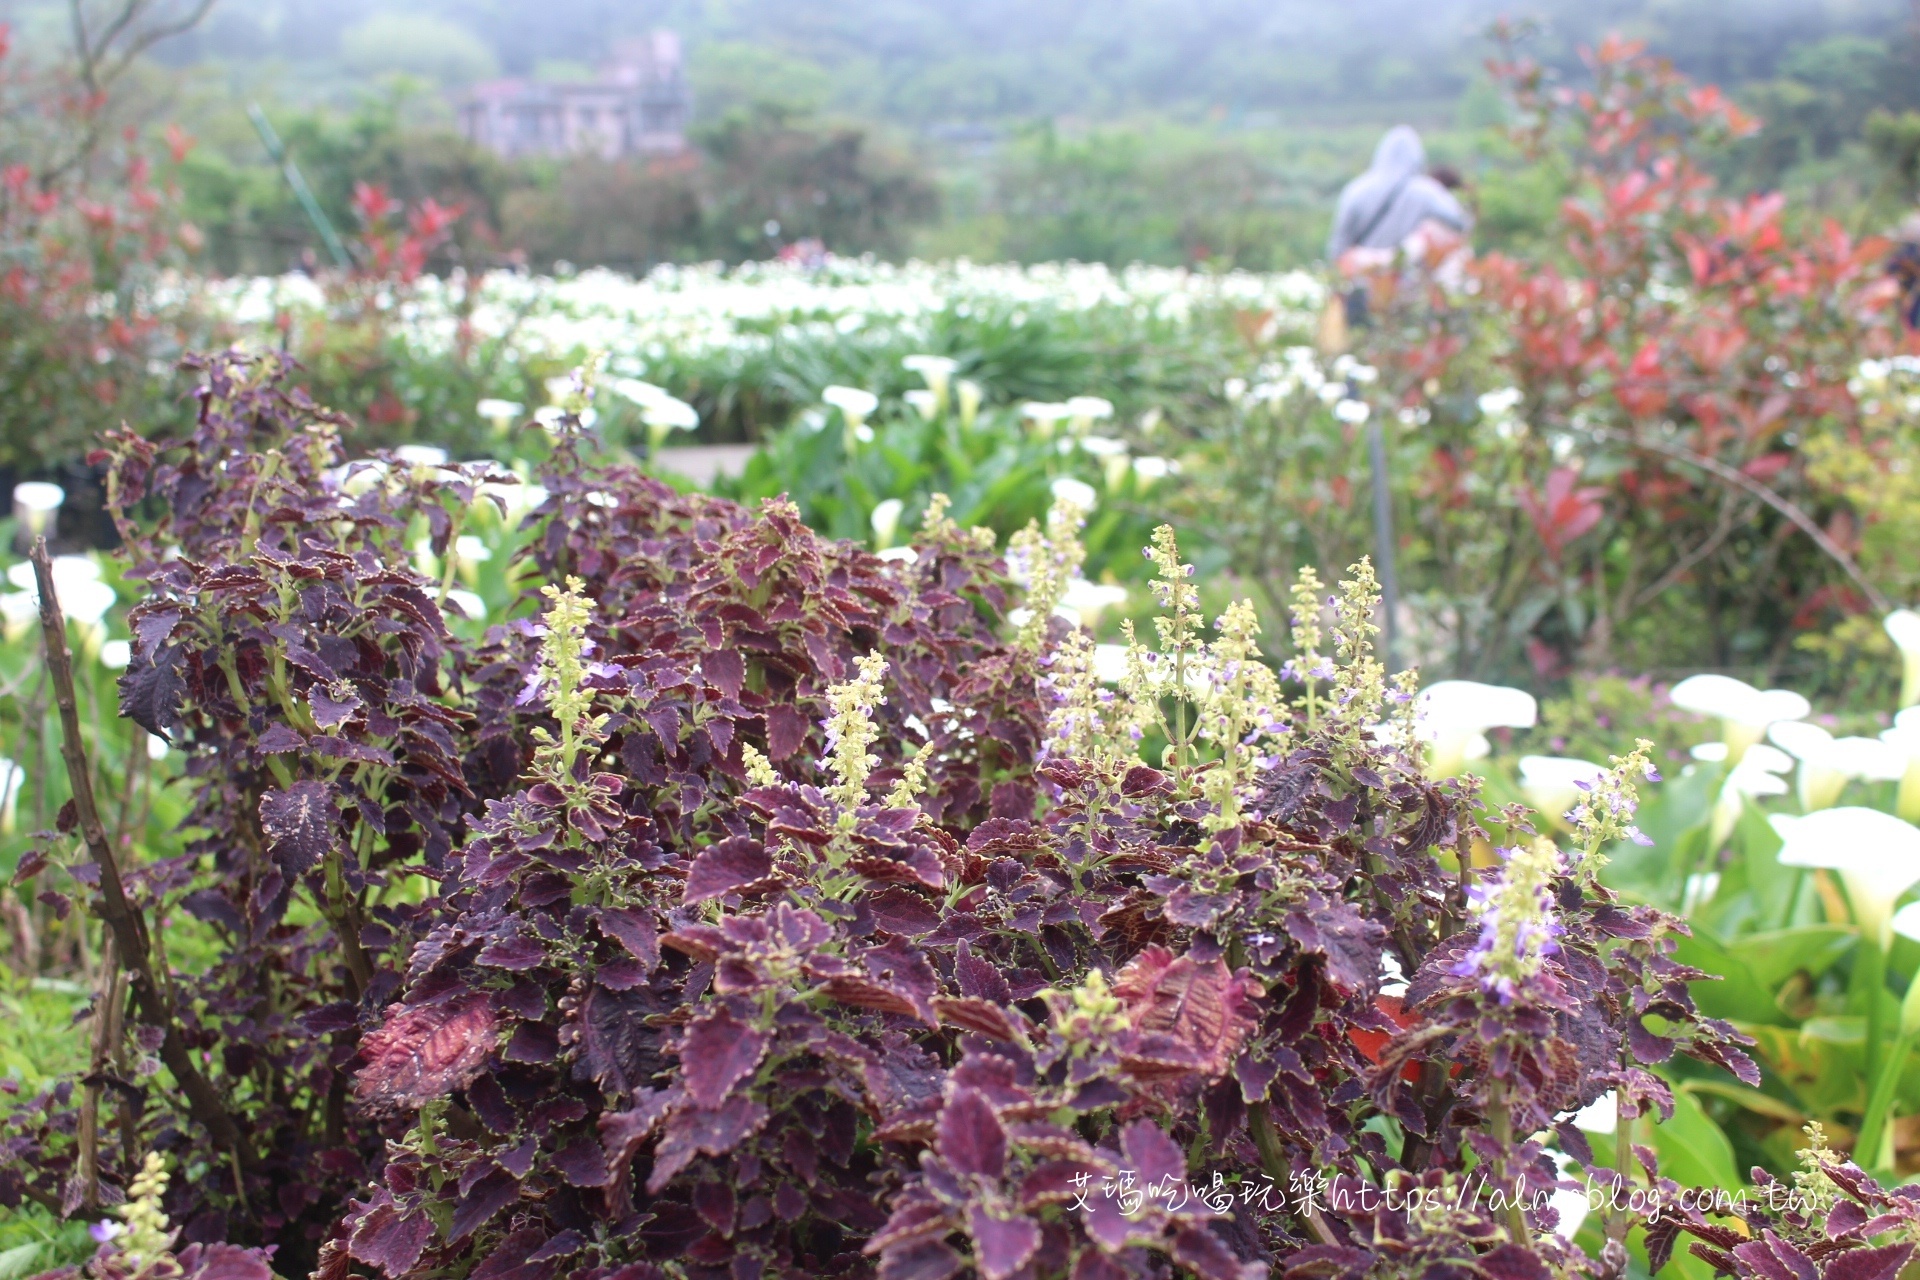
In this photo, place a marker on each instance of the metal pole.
(301, 191)
(1383, 539)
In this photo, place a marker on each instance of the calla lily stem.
(1873, 1124)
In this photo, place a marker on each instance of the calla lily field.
(1112, 773)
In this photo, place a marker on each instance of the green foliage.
(1598, 714)
(757, 165)
(1894, 142)
(776, 176)
(731, 74)
(998, 470)
(1144, 195)
(417, 44)
(33, 1241)
(252, 223)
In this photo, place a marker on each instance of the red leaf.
(1883, 1263)
(1151, 1154)
(1200, 1007)
(1207, 1256)
(919, 1260)
(222, 1262)
(988, 1019)
(489, 1196)
(423, 1053)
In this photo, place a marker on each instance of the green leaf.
(21, 1260)
(1777, 955)
(1738, 996)
(1752, 1099)
(1692, 1149)
(1848, 1030)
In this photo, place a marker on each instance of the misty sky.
(931, 60)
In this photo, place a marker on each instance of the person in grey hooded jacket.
(1392, 199)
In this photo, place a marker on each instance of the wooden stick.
(123, 916)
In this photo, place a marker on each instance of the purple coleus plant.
(748, 905)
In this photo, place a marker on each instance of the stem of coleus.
(1503, 1135)
(1619, 1220)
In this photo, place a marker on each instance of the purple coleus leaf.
(717, 1053)
(333, 706)
(300, 823)
(389, 1239)
(1001, 1245)
(971, 1137)
(1883, 1263)
(727, 867)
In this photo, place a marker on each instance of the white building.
(638, 106)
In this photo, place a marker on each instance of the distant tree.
(415, 43)
(775, 177)
(628, 214)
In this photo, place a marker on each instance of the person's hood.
(1399, 153)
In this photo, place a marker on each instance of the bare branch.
(1801, 520)
(145, 40)
(99, 64)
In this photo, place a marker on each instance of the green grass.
(39, 1042)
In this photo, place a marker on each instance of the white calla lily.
(1090, 599)
(970, 395)
(1084, 411)
(670, 413)
(1744, 711)
(1748, 780)
(12, 776)
(1903, 628)
(500, 413)
(1828, 764)
(35, 504)
(936, 371)
(924, 402)
(1905, 739)
(1045, 415)
(854, 402)
(886, 521)
(1876, 855)
(1078, 492)
(1150, 468)
(421, 455)
(1906, 921)
(468, 603)
(1110, 663)
(1554, 784)
(1453, 716)
(19, 610)
(83, 597)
